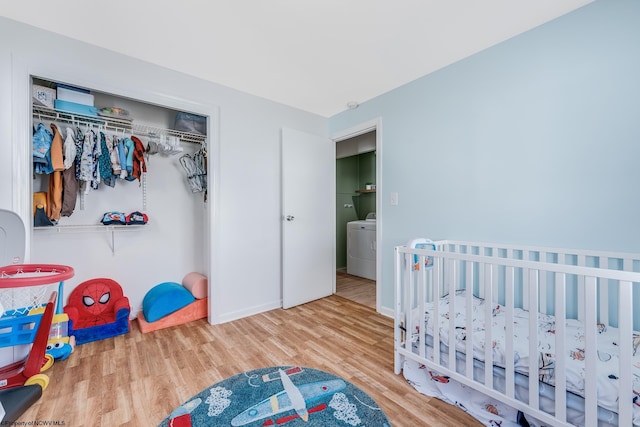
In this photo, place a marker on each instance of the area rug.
(281, 395)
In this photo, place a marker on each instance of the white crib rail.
(578, 257)
(494, 272)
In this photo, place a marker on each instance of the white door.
(308, 224)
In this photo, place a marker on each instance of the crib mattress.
(574, 343)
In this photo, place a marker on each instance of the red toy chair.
(97, 309)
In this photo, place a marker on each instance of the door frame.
(336, 137)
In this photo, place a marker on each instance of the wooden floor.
(138, 379)
(357, 289)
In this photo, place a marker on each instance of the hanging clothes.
(79, 145)
(69, 149)
(196, 170)
(86, 159)
(41, 146)
(88, 163)
(54, 194)
(97, 152)
(115, 156)
(129, 146)
(70, 185)
(122, 152)
(104, 161)
(138, 165)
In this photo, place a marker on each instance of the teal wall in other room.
(352, 173)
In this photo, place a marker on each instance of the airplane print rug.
(289, 396)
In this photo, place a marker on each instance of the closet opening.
(164, 176)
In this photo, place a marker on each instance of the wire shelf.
(114, 124)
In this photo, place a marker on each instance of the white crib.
(581, 370)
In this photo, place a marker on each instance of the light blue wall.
(533, 141)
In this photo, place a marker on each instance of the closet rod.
(114, 124)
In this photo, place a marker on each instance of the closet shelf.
(113, 124)
(92, 227)
(97, 228)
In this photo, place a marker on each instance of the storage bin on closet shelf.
(192, 123)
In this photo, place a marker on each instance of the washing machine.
(361, 247)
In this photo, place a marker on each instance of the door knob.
(290, 218)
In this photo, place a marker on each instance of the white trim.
(357, 130)
(362, 128)
(21, 164)
(240, 314)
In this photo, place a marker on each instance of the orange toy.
(197, 285)
(194, 311)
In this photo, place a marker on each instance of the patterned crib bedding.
(574, 343)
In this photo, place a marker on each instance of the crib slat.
(453, 265)
(422, 285)
(486, 281)
(591, 354)
(530, 279)
(409, 301)
(543, 287)
(581, 288)
(436, 273)
(603, 297)
(625, 405)
(561, 353)
(469, 320)
(399, 337)
(509, 360)
(408, 298)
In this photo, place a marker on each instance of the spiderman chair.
(97, 309)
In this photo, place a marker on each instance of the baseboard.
(235, 315)
(386, 311)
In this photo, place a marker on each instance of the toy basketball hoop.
(27, 297)
(21, 275)
(25, 287)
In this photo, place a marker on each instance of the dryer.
(361, 248)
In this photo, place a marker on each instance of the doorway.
(357, 214)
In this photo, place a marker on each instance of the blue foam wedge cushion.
(164, 299)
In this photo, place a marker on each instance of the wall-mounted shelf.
(99, 228)
(113, 124)
(365, 191)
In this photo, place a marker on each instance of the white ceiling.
(310, 54)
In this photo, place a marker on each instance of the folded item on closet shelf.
(192, 123)
(75, 108)
(116, 112)
(137, 218)
(75, 95)
(114, 218)
(43, 95)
